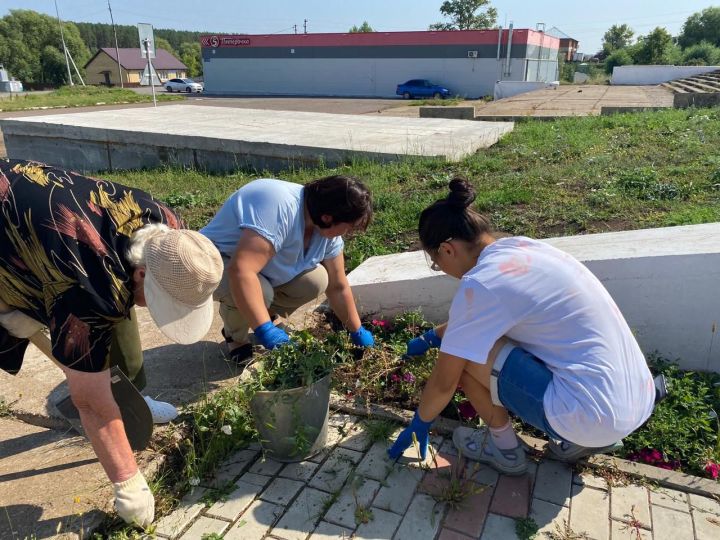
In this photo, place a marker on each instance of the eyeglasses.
(431, 263)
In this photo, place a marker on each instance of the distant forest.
(97, 35)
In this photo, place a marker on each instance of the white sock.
(504, 437)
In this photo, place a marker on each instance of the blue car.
(421, 88)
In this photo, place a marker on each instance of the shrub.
(702, 54)
(618, 58)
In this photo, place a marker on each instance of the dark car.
(421, 88)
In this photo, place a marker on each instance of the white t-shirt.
(556, 309)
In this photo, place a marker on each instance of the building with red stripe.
(468, 62)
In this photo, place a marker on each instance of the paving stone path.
(352, 490)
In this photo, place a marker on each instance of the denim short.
(521, 386)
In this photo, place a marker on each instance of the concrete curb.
(669, 479)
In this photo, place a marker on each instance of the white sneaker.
(162, 412)
(477, 444)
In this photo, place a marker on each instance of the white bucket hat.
(182, 270)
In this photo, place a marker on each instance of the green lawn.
(79, 96)
(570, 176)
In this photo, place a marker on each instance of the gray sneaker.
(570, 453)
(477, 444)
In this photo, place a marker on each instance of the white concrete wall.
(665, 281)
(470, 77)
(506, 89)
(644, 75)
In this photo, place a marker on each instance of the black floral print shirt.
(63, 238)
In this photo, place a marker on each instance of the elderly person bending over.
(282, 246)
(76, 254)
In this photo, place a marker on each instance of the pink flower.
(409, 377)
(466, 410)
(379, 322)
(713, 469)
(395, 377)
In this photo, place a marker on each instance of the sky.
(584, 21)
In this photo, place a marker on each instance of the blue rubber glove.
(421, 345)
(362, 337)
(271, 336)
(404, 440)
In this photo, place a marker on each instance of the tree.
(363, 28)
(31, 49)
(703, 26)
(162, 43)
(620, 57)
(191, 56)
(617, 37)
(657, 48)
(465, 16)
(702, 54)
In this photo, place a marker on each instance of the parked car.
(421, 88)
(183, 85)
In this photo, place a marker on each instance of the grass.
(78, 96)
(379, 429)
(447, 102)
(569, 176)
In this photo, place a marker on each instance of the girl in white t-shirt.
(531, 331)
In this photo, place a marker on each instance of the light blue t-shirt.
(274, 209)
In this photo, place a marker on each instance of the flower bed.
(683, 433)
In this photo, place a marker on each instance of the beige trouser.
(281, 300)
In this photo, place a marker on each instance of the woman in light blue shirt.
(282, 247)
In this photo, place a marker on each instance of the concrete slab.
(51, 485)
(664, 281)
(221, 139)
(574, 100)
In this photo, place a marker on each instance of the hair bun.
(462, 193)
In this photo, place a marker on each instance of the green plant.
(379, 429)
(363, 514)
(5, 408)
(447, 102)
(302, 364)
(220, 424)
(683, 431)
(211, 536)
(526, 528)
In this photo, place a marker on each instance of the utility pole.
(305, 26)
(117, 50)
(62, 38)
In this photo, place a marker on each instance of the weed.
(379, 429)
(211, 536)
(363, 514)
(5, 408)
(526, 528)
(211, 496)
(564, 532)
(634, 525)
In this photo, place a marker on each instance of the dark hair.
(452, 217)
(344, 198)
